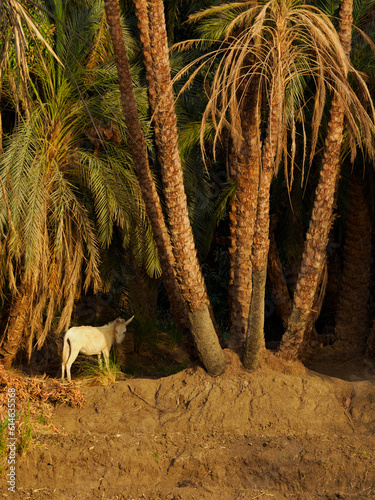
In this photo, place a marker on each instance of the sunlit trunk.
(15, 332)
(137, 146)
(255, 331)
(314, 254)
(242, 218)
(188, 272)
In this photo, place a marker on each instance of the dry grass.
(34, 391)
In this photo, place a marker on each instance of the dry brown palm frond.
(289, 44)
(36, 390)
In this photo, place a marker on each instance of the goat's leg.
(106, 359)
(65, 356)
(73, 356)
(100, 361)
(68, 375)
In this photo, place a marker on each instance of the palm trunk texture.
(279, 288)
(151, 23)
(255, 332)
(242, 220)
(314, 254)
(15, 331)
(137, 146)
(352, 316)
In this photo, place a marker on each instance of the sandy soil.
(268, 434)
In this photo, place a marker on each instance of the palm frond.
(311, 52)
(66, 188)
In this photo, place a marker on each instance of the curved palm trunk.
(190, 279)
(352, 316)
(314, 254)
(137, 146)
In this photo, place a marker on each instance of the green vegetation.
(26, 431)
(3, 448)
(91, 373)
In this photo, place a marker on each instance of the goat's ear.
(129, 320)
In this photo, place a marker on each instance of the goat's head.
(120, 328)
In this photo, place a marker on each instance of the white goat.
(92, 340)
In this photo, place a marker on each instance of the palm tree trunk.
(314, 254)
(352, 317)
(14, 336)
(242, 218)
(255, 331)
(310, 338)
(137, 146)
(188, 272)
(275, 275)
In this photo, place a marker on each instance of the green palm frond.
(361, 9)
(144, 250)
(26, 38)
(329, 7)
(68, 180)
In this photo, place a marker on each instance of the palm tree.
(322, 215)
(138, 149)
(291, 43)
(191, 283)
(60, 197)
(245, 170)
(137, 146)
(183, 244)
(352, 315)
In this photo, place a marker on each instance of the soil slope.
(266, 434)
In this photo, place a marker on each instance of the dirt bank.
(265, 434)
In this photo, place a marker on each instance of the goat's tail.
(67, 349)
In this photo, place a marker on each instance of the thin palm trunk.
(243, 216)
(255, 331)
(152, 26)
(137, 147)
(322, 215)
(310, 338)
